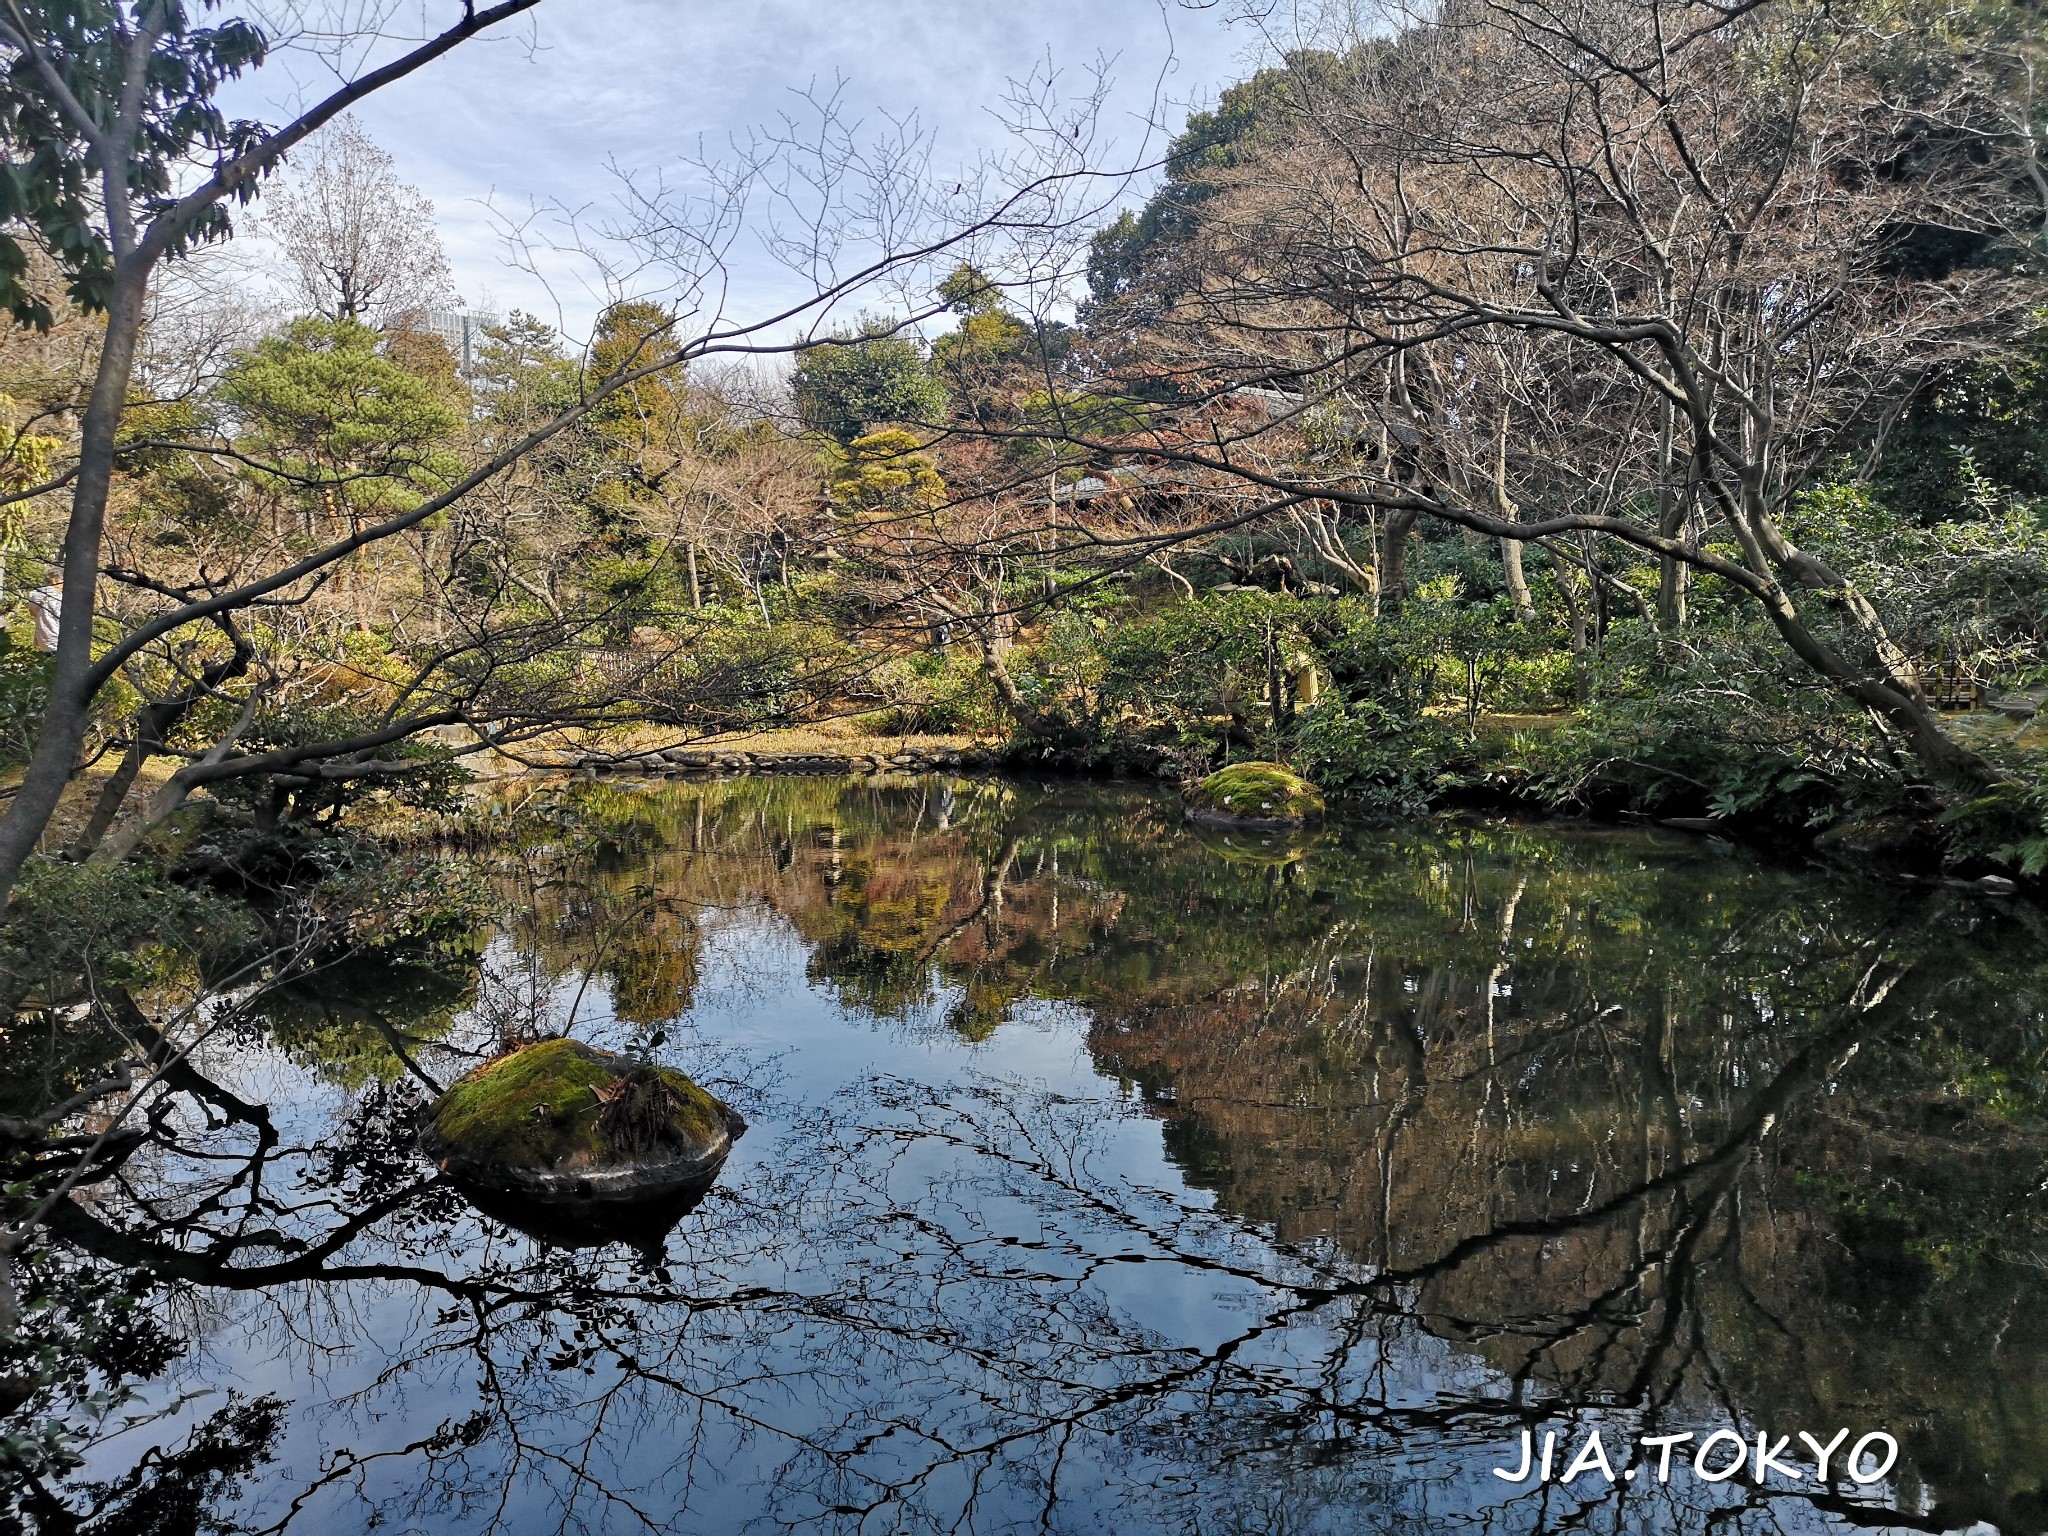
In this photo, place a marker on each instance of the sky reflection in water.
(1106, 1173)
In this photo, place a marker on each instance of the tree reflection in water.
(1105, 1172)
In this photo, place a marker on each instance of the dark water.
(1106, 1175)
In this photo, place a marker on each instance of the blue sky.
(538, 115)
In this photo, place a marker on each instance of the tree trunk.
(1518, 582)
(147, 744)
(1393, 578)
(153, 723)
(1897, 699)
(1674, 511)
(1672, 582)
(1883, 678)
(69, 710)
(1005, 685)
(1575, 617)
(1276, 688)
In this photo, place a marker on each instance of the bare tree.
(119, 125)
(848, 216)
(1638, 270)
(361, 242)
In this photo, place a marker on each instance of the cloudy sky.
(537, 116)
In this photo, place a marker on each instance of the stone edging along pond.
(687, 760)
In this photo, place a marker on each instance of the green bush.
(120, 925)
(1195, 663)
(1194, 680)
(934, 693)
(1392, 761)
(24, 690)
(2009, 825)
(734, 673)
(1534, 684)
(1715, 721)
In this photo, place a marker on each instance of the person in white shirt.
(48, 603)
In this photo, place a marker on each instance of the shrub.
(120, 925)
(1392, 761)
(24, 689)
(1715, 721)
(2009, 825)
(1198, 671)
(935, 693)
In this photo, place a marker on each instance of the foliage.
(1380, 757)
(987, 330)
(1436, 648)
(25, 460)
(1043, 417)
(630, 337)
(51, 180)
(862, 378)
(120, 925)
(1971, 590)
(178, 1492)
(1249, 114)
(1200, 677)
(1974, 442)
(1198, 669)
(344, 428)
(738, 674)
(931, 693)
(886, 471)
(426, 775)
(88, 1336)
(2007, 826)
(24, 688)
(1717, 722)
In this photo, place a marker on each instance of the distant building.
(463, 331)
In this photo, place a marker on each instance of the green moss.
(539, 1106)
(1258, 791)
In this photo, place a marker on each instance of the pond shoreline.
(692, 762)
(1911, 868)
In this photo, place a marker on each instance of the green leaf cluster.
(865, 377)
(50, 168)
(343, 428)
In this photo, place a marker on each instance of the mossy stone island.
(561, 1121)
(1254, 795)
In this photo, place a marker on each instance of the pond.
(1106, 1173)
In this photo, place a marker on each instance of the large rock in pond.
(1254, 795)
(570, 1128)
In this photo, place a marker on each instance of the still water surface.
(1107, 1174)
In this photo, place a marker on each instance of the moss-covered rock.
(1254, 795)
(564, 1120)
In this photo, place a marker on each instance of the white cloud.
(536, 117)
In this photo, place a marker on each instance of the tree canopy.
(865, 376)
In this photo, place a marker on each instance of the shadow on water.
(1108, 1172)
(640, 1224)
